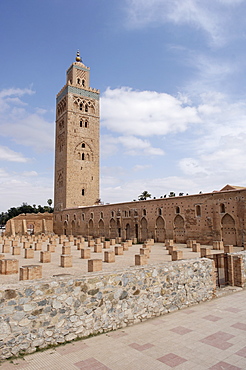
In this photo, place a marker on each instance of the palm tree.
(49, 201)
(145, 194)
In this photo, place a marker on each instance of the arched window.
(86, 108)
(74, 217)
(83, 216)
(83, 145)
(83, 156)
(159, 211)
(112, 214)
(67, 217)
(83, 82)
(222, 208)
(86, 124)
(144, 212)
(81, 106)
(101, 215)
(91, 214)
(177, 209)
(83, 192)
(80, 123)
(198, 211)
(78, 81)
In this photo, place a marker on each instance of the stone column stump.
(94, 265)
(66, 260)
(45, 257)
(140, 260)
(9, 266)
(177, 255)
(109, 256)
(118, 251)
(85, 253)
(29, 253)
(98, 248)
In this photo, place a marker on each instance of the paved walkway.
(211, 335)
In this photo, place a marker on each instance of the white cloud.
(9, 155)
(132, 145)
(145, 113)
(21, 125)
(140, 167)
(211, 16)
(16, 188)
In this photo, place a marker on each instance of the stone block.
(171, 249)
(91, 243)
(26, 244)
(51, 248)
(66, 260)
(38, 246)
(66, 249)
(228, 248)
(29, 253)
(196, 247)
(205, 251)
(71, 238)
(9, 266)
(109, 256)
(98, 248)
(6, 248)
(15, 243)
(45, 256)
(16, 251)
(118, 240)
(118, 250)
(218, 245)
(145, 252)
(80, 245)
(168, 242)
(151, 241)
(66, 243)
(7, 242)
(140, 260)
(190, 242)
(147, 246)
(134, 240)
(31, 272)
(125, 246)
(98, 241)
(129, 241)
(177, 255)
(112, 241)
(2, 256)
(106, 244)
(85, 253)
(94, 265)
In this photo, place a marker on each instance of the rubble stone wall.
(35, 314)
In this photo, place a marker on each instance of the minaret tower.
(77, 140)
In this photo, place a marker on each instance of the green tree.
(171, 194)
(145, 194)
(49, 201)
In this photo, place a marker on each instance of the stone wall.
(204, 217)
(36, 314)
(26, 223)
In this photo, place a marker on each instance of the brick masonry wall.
(36, 314)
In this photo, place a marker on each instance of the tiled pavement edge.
(211, 335)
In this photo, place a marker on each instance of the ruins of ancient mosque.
(207, 217)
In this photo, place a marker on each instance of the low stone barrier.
(40, 313)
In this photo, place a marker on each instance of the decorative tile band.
(78, 91)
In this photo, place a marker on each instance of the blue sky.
(172, 80)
